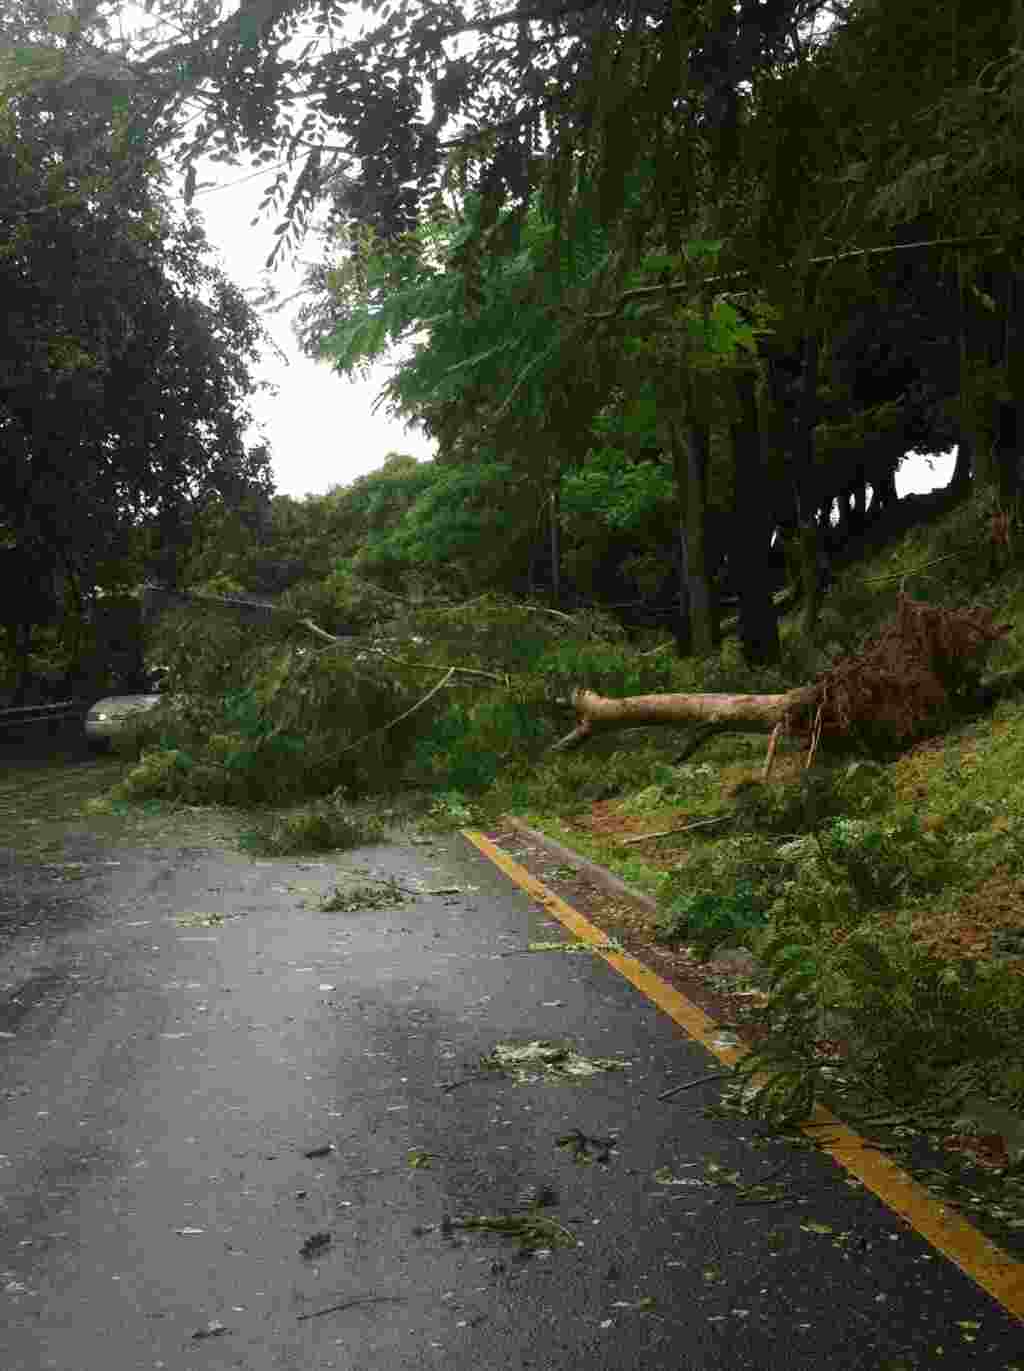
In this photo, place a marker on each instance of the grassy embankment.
(884, 893)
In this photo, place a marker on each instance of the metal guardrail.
(41, 714)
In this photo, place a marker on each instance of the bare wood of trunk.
(754, 713)
(772, 745)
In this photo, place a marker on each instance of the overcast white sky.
(320, 426)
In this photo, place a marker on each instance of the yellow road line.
(1001, 1275)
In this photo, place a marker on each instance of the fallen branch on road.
(354, 1303)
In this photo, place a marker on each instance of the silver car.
(109, 717)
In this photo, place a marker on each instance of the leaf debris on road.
(213, 1329)
(584, 1149)
(609, 945)
(540, 1059)
(384, 894)
(202, 920)
(315, 1243)
(533, 1231)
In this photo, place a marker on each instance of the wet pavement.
(164, 1077)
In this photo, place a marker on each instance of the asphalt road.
(162, 1083)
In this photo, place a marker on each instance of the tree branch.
(681, 287)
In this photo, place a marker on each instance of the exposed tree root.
(895, 688)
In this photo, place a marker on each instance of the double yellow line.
(948, 1233)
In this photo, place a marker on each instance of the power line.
(209, 190)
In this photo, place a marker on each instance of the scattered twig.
(463, 1080)
(557, 613)
(501, 677)
(322, 633)
(897, 575)
(351, 638)
(352, 1303)
(367, 1175)
(668, 832)
(688, 1085)
(758, 1192)
(815, 737)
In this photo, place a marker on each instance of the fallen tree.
(896, 687)
(598, 714)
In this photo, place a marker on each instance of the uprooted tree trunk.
(895, 688)
(596, 713)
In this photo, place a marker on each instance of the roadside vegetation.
(881, 888)
(672, 355)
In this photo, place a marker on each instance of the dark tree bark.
(883, 489)
(681, 627)
(808, 531)
(556, 549)
(691, 449)
(751, 528)
(970, 430)
(963, 468)
(1009, 443)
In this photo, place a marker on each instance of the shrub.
(782, 807)
(160, 774)
(711, 919)
(884, 864)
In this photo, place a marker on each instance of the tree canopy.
(714, 265)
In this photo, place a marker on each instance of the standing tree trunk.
(1009, 447)
(691, 451)
(964, 466)
(808, 532)
(682, 631)
(556, 547)
(751, 530)
(971, 431)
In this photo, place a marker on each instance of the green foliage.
(918, 1027)
(781, 807)
(711, 919)
(356, 899)
(569, 780)
(125, 363)
(450, 809)
(467, 526)
(265, 721)
(340, 602)
(609, 668)
(882, 863)
(470, 744)
(864, 787)
(326, 826)
(162, 772)
(621, 493)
